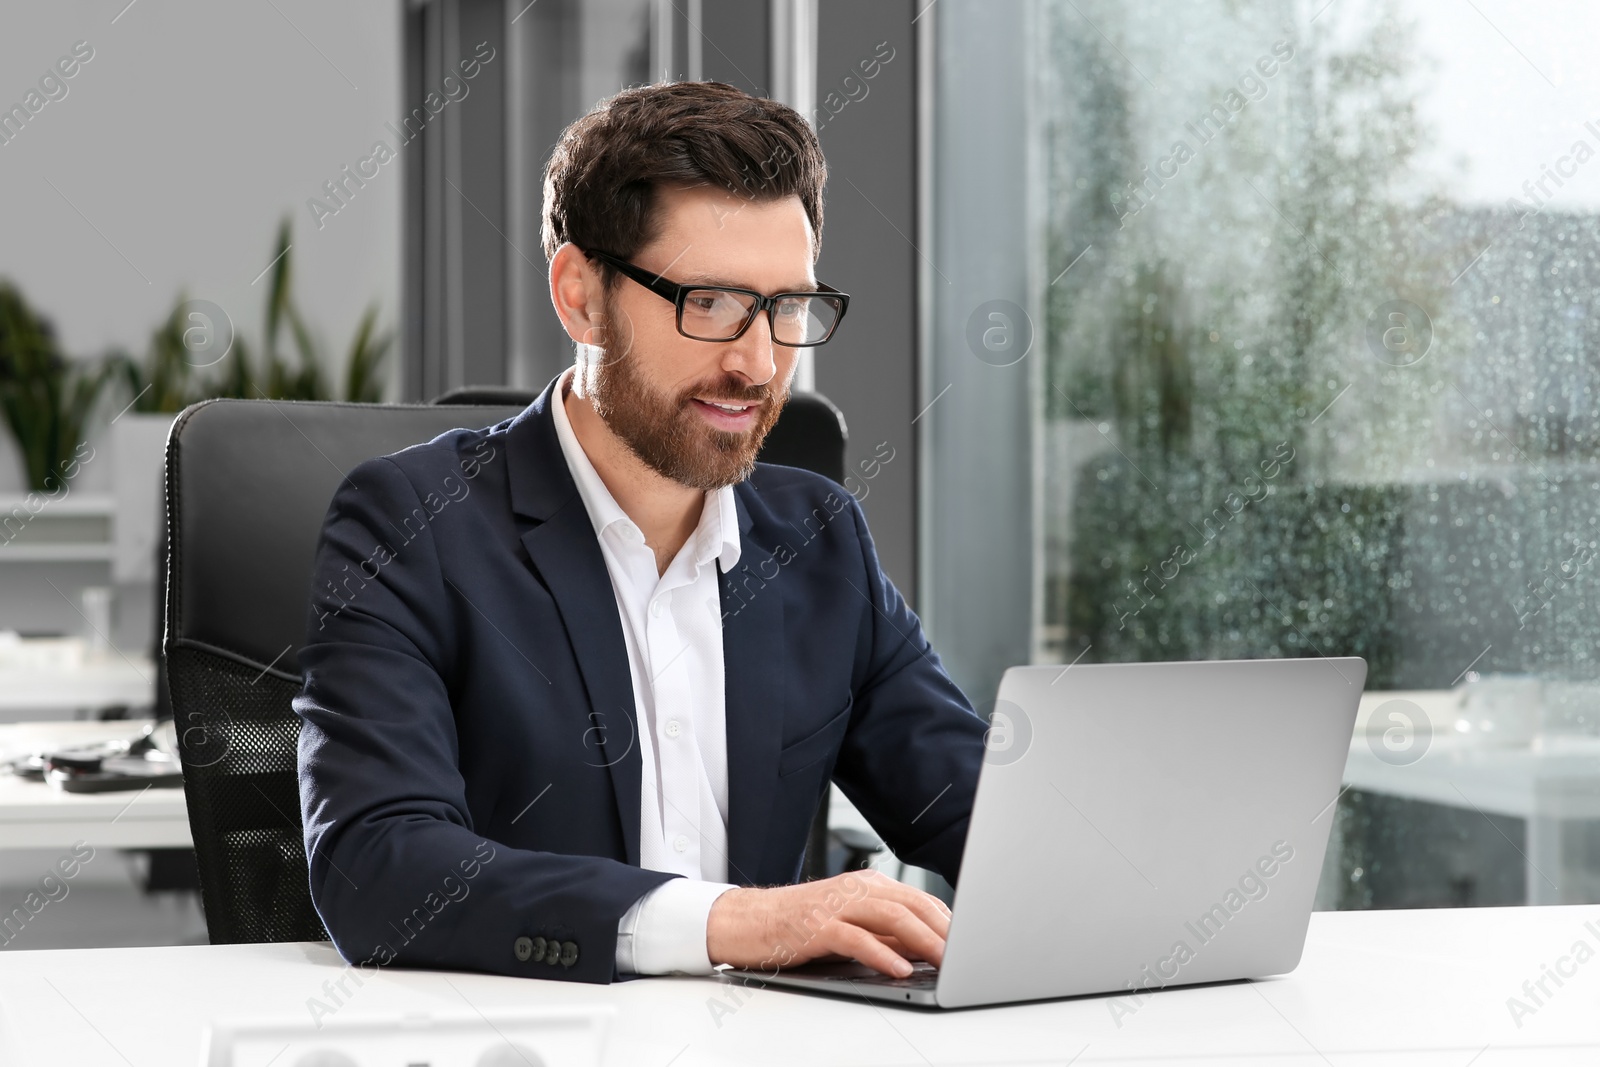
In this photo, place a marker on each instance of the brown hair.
(600, 184)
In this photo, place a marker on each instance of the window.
(1303, 336)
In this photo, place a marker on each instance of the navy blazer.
(469, 777)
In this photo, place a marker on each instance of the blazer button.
(523, 948)
(539, 944)
(569, 953)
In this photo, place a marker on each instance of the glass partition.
(1314, 373)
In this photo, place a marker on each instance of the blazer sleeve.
(398, 872)
(914, 746)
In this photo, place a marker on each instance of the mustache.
(729, 388)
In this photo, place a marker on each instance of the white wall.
(195, 127)
(191, 131)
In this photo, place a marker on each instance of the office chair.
(248, 483)
(487, 394)
(811, 435)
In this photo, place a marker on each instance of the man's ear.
(575, 293)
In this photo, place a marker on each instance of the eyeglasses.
(724, 313)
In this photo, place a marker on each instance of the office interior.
(1220, 330)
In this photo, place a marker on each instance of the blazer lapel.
(567, 557)
(755, 676)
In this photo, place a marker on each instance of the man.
(575, 683)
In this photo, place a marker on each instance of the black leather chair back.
(810, 434)
(248, 484)
(487, 395)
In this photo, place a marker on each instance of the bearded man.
(597, 666)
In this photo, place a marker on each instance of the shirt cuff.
(665, 930)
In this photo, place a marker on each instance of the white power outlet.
(571, 1037)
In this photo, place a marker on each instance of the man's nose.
(752, 355)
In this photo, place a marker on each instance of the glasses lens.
(715, 314)
(804, 320)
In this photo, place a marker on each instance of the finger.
(929, 908)
(932, 911)
(882, 885)
(887, 917)
(860, 944)
(891, 942)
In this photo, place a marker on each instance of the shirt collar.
(715, 538)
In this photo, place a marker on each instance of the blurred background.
(1228, 329)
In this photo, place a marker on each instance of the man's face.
(667, 396)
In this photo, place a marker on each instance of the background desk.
(1374, 988)
(65, 690)
(1549, 784)
(36, 815)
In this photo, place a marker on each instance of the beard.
(668, 435)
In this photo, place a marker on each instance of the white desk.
(1547, 784)
(36, 815)
(1374, 988)
(94, 683)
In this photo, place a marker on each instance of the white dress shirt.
(672, 625)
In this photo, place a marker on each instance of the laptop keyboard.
(924, 976)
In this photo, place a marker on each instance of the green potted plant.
(168, 379)
(181, 367)
(45, 397)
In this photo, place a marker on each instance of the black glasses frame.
(676, 292)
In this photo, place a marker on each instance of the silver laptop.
(1137, 826)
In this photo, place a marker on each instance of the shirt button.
(681, 844)
(673, 728)
(657, 605)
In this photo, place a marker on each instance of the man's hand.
(862, 915)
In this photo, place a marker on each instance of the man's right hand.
(861, 915)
